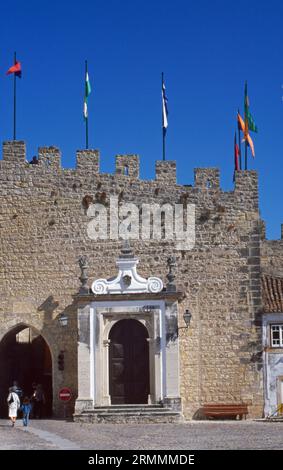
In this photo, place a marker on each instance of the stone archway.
(129, 363)
(25, 356)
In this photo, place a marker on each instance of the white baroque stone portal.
(127, 281)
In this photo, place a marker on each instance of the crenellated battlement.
(206, 180)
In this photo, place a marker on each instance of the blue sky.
(206, 50)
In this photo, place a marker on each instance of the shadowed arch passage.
(25, 357)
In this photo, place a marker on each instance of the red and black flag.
(16, 69)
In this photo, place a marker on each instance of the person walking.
(26, 409)
(13, 403)
(17, 389)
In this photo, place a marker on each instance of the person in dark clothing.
(38, 399)
(34, 161)
(32, 398)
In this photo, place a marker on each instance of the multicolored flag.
(251, 123)
(241, 123)
(16, 69)
(244, 127)
(248, 139)
(87, 93)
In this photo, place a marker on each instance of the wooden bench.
(225, 410)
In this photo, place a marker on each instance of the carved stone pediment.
(127, 280)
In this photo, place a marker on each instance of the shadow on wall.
(48, 307)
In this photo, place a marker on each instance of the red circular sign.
(65, 394)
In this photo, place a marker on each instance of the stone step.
(129, 414)
(128, 407)
(127, 410)
(277, 419)
(129, 417)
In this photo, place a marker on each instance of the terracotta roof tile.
(272, 293)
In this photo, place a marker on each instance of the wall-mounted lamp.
(63, 319)
(172, 328)
(187, 316)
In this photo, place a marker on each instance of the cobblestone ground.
(55, 434)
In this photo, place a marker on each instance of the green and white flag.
(87, 93)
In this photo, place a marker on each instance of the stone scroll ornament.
(99, 286)
(103, 286)
(154, 284)
(127, 281)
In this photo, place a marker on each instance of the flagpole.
(246, 126)
(86, 119)
(234, 174)
(15, 100)
(240, 145)
(163, 133)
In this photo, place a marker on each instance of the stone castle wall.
(43, 221)
(272, 256)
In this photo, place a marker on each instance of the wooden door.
(128, 363)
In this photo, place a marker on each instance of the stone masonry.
(43, 222)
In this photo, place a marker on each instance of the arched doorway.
(25, 357)
(128, 363)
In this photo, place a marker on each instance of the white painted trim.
(270, 374)
(92, 320)
(267, 320)
(118, 311)
(126, 303)
(163, 374)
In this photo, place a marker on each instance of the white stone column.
(172, 398)
(85, 398)
(106, 400)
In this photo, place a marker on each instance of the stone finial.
(126, 251)
(83, 277)
(171, 263)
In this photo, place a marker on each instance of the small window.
(126, 170)
(276, 332)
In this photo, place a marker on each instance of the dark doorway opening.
(128, 363)
(25, 357)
